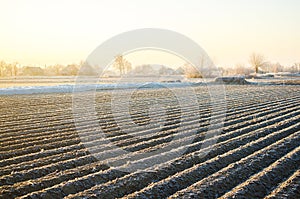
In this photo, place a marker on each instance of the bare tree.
(53, 70)
(57, 68)
(9, 69)
(2, 68)
(191, 72)
(127, 66)
(277, 67)
(87, 69)
(14, 69)
(122, 65)
(6, 69)
(297, 67)
(240, 69)
(256, 60)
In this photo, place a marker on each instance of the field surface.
(256, 155)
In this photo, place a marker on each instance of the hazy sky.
(49, 32)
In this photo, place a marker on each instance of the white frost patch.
(68, 88)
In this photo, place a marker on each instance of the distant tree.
(7, 69)
(164, 70)
(54, 70)
(277, 68)
(241, 69)
(69, 70)
(191, 72)
(180, 71)
(272, 67)
(127, 66)
(256, 60)
(296, 67)
(145, 69)
(14, 69)
(57, 68)
(87, 69)
(122, 65)
(2, 68)
(222, 71)
(33, 71)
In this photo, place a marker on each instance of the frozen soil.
(256, 155)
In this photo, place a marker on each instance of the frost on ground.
(85, 87)
(255, 156)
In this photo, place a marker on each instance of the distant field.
(257, 154)
(21, 81)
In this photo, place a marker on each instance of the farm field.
(256, 155)
(28, 81)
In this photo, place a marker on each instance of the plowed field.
(256, 155)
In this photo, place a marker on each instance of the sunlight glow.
(50, 32)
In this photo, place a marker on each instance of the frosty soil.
(41, 154)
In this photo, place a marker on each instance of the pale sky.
(50, 32)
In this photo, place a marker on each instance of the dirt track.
(257, 154)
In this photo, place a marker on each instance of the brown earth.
(256, 155)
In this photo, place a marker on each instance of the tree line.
(121, 67)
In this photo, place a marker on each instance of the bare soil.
(257, 154)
